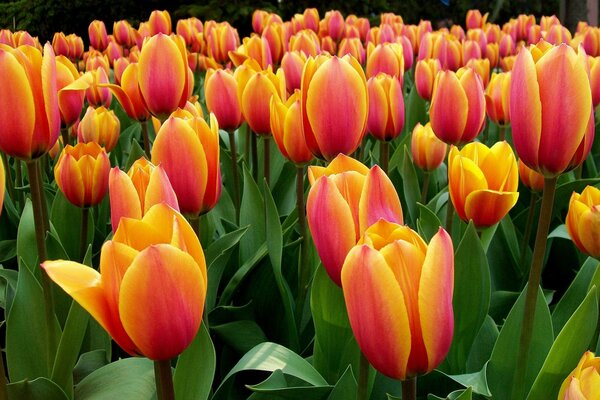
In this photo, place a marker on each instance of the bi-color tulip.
(99, 125)
(98, 35)
(497, 97)
(583, 220)
(386, 107)
(286, 126)
(530, 178)
(425, 74)
(398, 293)
(150, 289)
(344, 200)
(221, 93)
(583, 383)
(483, 182)
(70, 102)
(428, 152)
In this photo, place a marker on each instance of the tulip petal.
(464, 177)
(473, 88)
(488, 207)
(449, 108)
(435, 297)
(159, 190)
(331, 225)
(124, 200)
(169, 284)
(589, 231)
(379, 199)
(376, 310)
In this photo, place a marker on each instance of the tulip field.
(331, 208)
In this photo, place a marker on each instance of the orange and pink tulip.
(497, 98)
(286, 126)
(425, 73)
(221, 93)
(386, 107)
(428, 152)
(583, 220)
(98, 35)
(583, 383)
(99, 125)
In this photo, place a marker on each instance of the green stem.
(164, 380)
(449, 215)
(65, 136)
(40, 233)
(384, 155)
(535, 274)
(19, 181)
(425, 187)
(146, 139)
(267, 159)
(409, 389)
(83, 238)
(254, 149)
(236, 175)
(303, 268)
(3, 380)
(501, 133)
(528, 228)
(194, 221)
(10, 185)
(363, 378)
(247, 144)
(43, 204)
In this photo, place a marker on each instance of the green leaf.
(27, 353)
(275, 249)
(37, 389)
(252, 214)
(574, 294)
(241, 273)
(572, 341)
(129, 378)
(416, 110)
(560, 232)
(477, 381)
(26, 242)
(428, 223)
(8, 249)
(465, 394)
(502, 364)
(195, 369)
(345, 388)
(276, 386)
(471, 299)
(482, 347)
(241, 335)
(410, 186)
(136, 151)
(66, 219)
(88, 363)
(335, 346)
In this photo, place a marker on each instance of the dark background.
(44, 17)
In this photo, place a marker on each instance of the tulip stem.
(267, 159)
(533, 283)
(146, 139)
(409, 388)
(384, 155)
(37, 199)
(363, 378)
(528, 227)
(164, 380)
(303, 270)
(85, 211)
(449, 215)
(254, 149)
(10, 185)
(65, 136)
(501, 133)
(425, 188)
(236, 175)
(3, 380)
(19, 180)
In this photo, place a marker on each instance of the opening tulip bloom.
(483, 182)
(327, 133)
(497, 98)
(530, 178)
(583, 220)
(286, 125)
(149, 294)
(81, 173)
(70, 102)
(428, 152)
(584, 382)
(29, 113)
(101, 126)
(551, 109)
(386, 107)
(425, 73)
(398, 292)
(132, 194)
(344, 200)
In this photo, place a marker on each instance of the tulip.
(157, 262)
(428, 152)
(122, 32)
(497, 98)
(101, 126)
(471, 50)
(160, 22)
(220, 40)
(253, 47)
(292, 64)
(70, 103)
(344, 200)
(352, 46)
(506, 47)
(188, 150)
(29, 113)
(23, 38)
(97, 60)
(425, 73)
(482, 67)
(326, 133)
(305, 41)
(133, 194)
(398, 293)
(98, 35)
(286, 125)
(188, 29)
(475, 20)
(81, 173)
(387, 58)
(119, 66)
(113, 51)
(530, 178)
(595, 79)
(60, 44)
(6, 37)
(220, 91)
(483, 182)
(328, 46)
(386, 107)
(584, 382)
(491, 54)
(550, 117)
(457, 106)
(274, 36)
(583, 220)
(129, 94)
(75, 47)
(311, 19)
(332, 25)
(97, 95)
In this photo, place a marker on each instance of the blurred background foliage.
(44, 17)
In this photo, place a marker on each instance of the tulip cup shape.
(101, 126)
(286, 125)
(220, 91)
(327, 134)
(132, 194)
(530, 178)
(483, 182)
(425, 73)
(428, 152)
(497, 98)
(398, 292)
(344, 200)
(551, 109)
(156, 262)
(386, 107)
(29, 113)
(583, 220)
(584, 382)
(81, 173)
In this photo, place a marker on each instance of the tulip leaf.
(560, 232)
(575, 294)
(428, 223)
(195, 369)
(565, 190)
(482, 347)
(275, 248)
(465, 394)
(252, 214)
(471, 299)
(88, 363)
(28, 352)
(501, 368)
(270, 357)
(26, 241)
(241, 335)
(410, 186)
(66, 219)
(278, 386)
(129, 378)
(8, 249)
(335, 346)
(345, 388)
(241, 273)
(416, 110)
(135, 153)
(36, 389)
(572, 341)
(476, 381)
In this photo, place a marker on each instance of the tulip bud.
(475, 20)
(97, 95)
(387, 58)
(220, 91)
(428, 152)
(160, 22)
(582, 383)
(497, 98)
(530, 178)
(425, 73)
(70, 102)
(292, 64)
(286, 125)
(386, 107)
(60, 44)
(101, 126)
(98, 35)
(583, 220)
